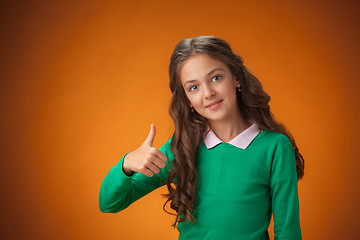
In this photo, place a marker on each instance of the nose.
(208, 91)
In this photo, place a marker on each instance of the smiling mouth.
(214, 104)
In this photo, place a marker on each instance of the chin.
(214, 118)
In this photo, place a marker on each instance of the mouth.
(214, 103)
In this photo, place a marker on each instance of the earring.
(192, 109)
(238, 88)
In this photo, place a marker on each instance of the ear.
(236, 82)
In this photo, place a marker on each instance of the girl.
(229, 164)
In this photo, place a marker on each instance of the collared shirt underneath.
(242, 140)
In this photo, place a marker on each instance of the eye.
(192, 88)
(216, 77)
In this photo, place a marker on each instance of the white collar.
(242, 140)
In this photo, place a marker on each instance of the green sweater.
(238, 190)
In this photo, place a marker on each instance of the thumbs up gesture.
(146, 159)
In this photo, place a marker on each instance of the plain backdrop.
(81, 82)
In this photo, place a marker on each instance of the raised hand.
(146, 159)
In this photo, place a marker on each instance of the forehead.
(198, 66)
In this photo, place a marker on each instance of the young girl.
(229, 164)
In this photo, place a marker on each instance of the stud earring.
(239, 89)
(192, 109)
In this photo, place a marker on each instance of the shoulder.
(274, 138)
(280, 148)
(274, 143)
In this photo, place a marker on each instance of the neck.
(227, 129)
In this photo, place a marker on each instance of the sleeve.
(118, 190)
(284, 191)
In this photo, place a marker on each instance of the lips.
(213, 103)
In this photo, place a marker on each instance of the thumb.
(150, 138)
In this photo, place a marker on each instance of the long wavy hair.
(253, 103)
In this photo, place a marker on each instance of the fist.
(146, 159)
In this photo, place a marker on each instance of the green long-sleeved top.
(237, 191)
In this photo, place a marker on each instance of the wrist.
(126, 170)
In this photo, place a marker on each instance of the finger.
(150, 138)
(147, 172)
(153, 168)
(158, 162)
(160, 155)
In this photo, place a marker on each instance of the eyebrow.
(211, 72)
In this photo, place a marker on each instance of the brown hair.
(190, 126)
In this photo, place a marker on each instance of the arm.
(119, 190)
(284, 190)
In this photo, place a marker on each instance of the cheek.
(194, 100)
(230, 91)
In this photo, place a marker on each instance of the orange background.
(82, 82)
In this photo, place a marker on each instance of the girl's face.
(210, 87)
